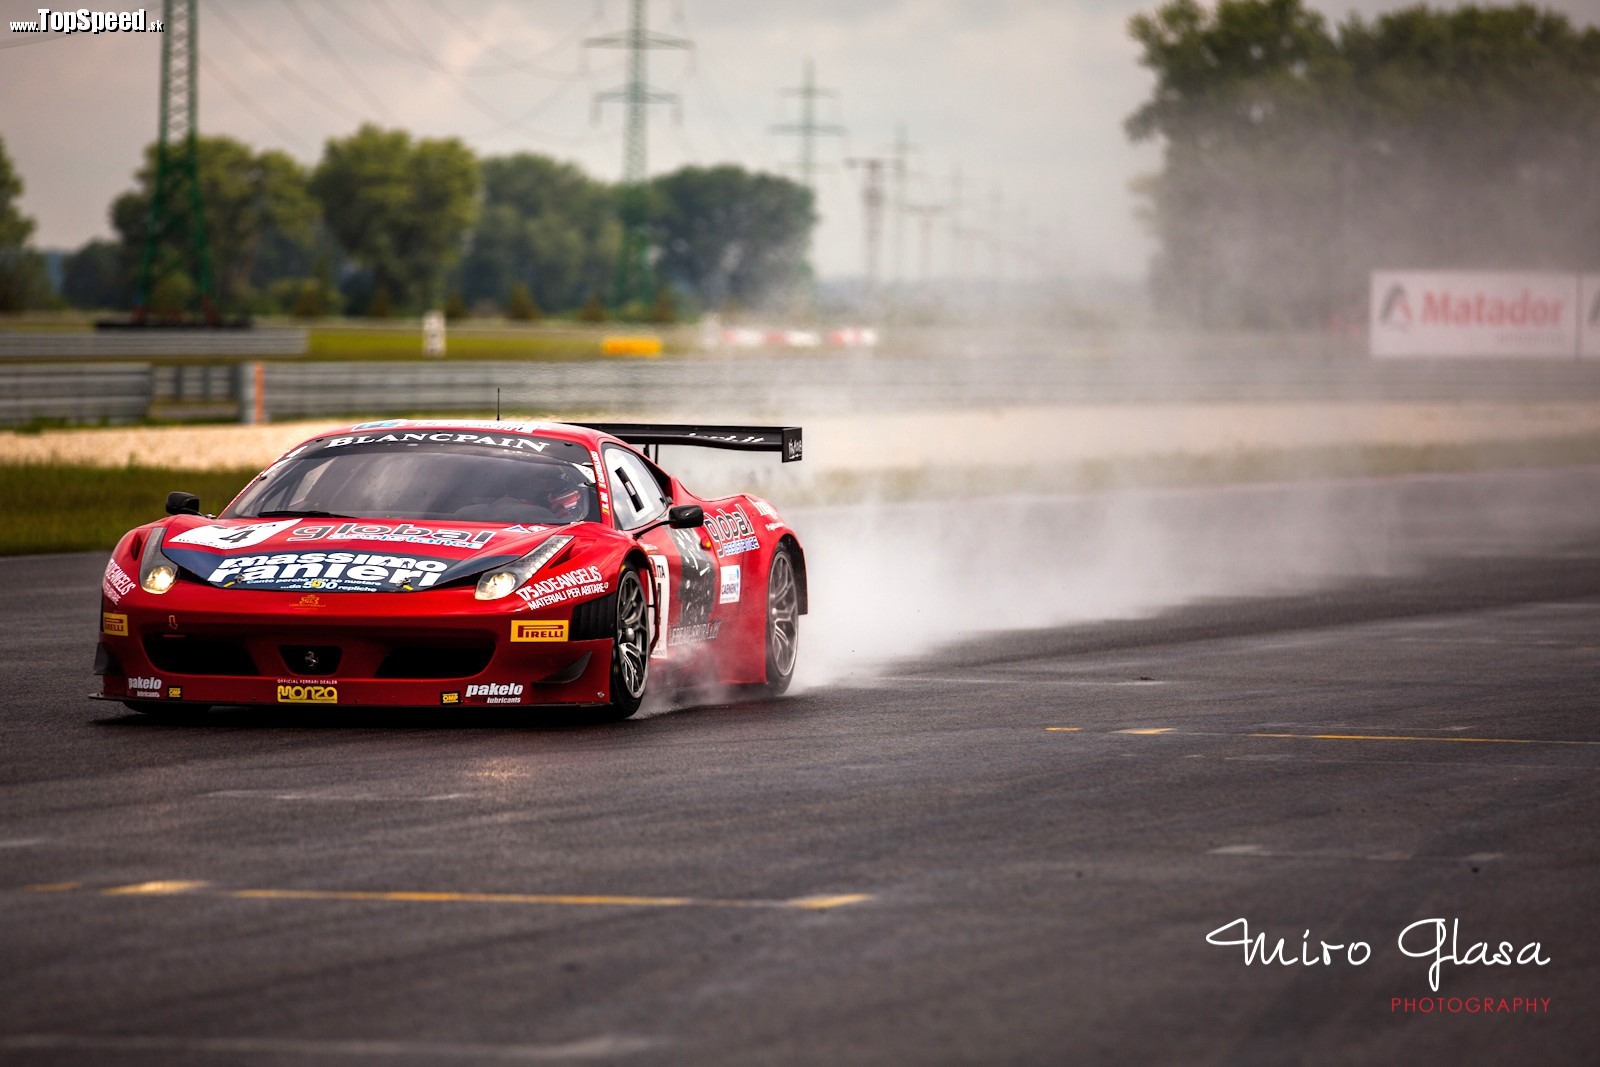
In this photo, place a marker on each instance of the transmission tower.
(902, 149)
(175, 232)
(925, 214)
(872, 197)
(808, 128)
(637, 95)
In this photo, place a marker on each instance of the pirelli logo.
(308, 694)
(113, 625)
(538, 630)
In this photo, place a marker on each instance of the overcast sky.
(1026, 98)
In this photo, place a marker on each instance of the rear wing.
(781, 439)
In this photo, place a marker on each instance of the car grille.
(182, 654)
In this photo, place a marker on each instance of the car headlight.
(156, 571)
(503, 581)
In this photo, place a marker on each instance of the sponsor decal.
(793, 449)
(174, 692)
(732, 532)
(404, 533)
(310, 600)
(172, 622)
(776, 526)
(496, 692)
(574, 584)
(516, 444)
(519, 528)
(697, 579)
(116, 584)
(538, 629)
(695, 634)
(450, 698)
(1473, 313)
(294, 693)
(222, 536)
(145, 687)
(114, 625)
(730, 583)
(351, 572)
(764, 508)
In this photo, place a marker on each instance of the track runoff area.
(1245, 792)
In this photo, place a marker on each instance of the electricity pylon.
(808, 128)
(177, 217)
(637, 94)
(872, 206)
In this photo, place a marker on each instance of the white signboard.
(1469, 313)
(1589, 319)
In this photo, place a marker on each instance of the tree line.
(1299, 157)
(385, 224)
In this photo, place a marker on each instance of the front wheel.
(783, 622)
(630, 648)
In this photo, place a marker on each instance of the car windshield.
(429, 479)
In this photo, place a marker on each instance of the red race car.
(450, 563)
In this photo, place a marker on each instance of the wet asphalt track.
(1010, 852)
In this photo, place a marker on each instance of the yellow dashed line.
(154, 889)
(1152, 730)
(822, 902)
(1064, 729)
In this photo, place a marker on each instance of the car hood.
(343, 555)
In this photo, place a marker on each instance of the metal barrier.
(75, 392)
(153, 343)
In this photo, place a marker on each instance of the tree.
(724, 233)
(398, 207)
(98, 275)
(251, 201)
(1298, 158)
(24, 282)
(521, 306)
(546, 226)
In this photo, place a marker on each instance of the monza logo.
(113, 625)
(307, 694)
(538, 629)
(1396, 310)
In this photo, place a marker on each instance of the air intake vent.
(181, 654)
(435, 661)
(594, 619)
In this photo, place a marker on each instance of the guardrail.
(75, 392)
(153, 343)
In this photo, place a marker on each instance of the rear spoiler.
(782, 439)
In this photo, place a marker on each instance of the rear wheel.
(783, 622)
(630, 647)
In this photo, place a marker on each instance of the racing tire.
(630, 648)
(783, 622)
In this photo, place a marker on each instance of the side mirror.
(686, 516)
(181, 503)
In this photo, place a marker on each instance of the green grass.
(405, 342)
(49, 508)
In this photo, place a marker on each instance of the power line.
(513, 63)
(214, 71)
(288, 74)
(337, 60)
